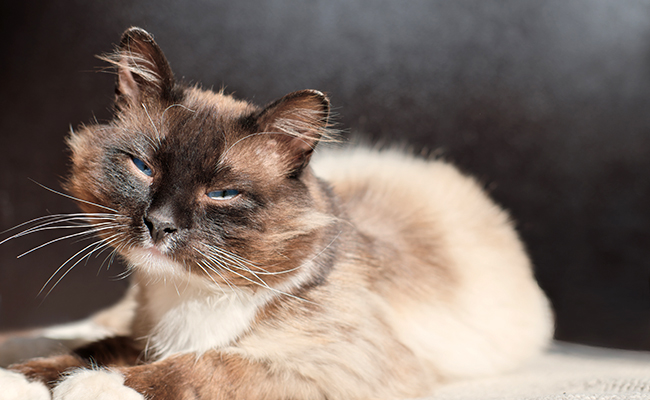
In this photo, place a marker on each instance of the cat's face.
(185, 180)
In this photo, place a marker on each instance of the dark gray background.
(547, 102)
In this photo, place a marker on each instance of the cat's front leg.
(69, 377)
(175, 378)
(47, 370)
(34, 379)
(209, 376)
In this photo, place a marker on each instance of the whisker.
(45, 227)
(204, 263)
(245, 265)
(211, 277)
(111, 257)
(291, 127)
(225, 153)
(219, 254)
(74, 198)
(326, 247)
(235, 258)
(89, 232)
(62, 217)
(158, 137)
(72, 266)
(111, 242)
(162, 117)
(63, 265)
(262, 283)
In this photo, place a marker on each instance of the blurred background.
(547, 102)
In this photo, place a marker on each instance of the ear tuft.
(142, 69)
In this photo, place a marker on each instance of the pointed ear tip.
(317, 94)
(136, 33)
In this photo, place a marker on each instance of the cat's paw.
(86, 384)
(15, 386)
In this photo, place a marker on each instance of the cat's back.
(458, 283)
(389, 193)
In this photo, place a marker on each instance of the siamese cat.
(263, 270)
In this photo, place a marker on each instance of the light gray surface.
(566, 371)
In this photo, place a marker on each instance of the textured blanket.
(566, 371)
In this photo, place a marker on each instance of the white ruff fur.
(85, 384)
(195, 319)
(192, 314)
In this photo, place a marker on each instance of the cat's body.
(373, 274)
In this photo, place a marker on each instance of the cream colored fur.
(486, 317)
(192, 316)
(495, 315)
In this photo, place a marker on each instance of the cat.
(263, 270)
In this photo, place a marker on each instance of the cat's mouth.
(153, 260)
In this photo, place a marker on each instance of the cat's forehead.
(201, 110)
(219, 102)
(201, 133)
(198, 119)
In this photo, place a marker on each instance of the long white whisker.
(225, 153)
(109, 242)
(75, 222)
(216, 270)
(88, 232)
(244, 264)
(97, 246)
(63, 217)
(218, 254)
(74, 198)
(111, 257)
(211, 277)
(214, 258)
(242, 268)
(64, 264)
(326, 247)
(162, 117)
(235, 258)
(158, 137)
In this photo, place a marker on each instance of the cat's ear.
(300, 120)
(142, 69)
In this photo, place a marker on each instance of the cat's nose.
(160, 225)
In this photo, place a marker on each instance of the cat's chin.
(153, 262)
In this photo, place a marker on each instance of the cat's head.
(187, 180)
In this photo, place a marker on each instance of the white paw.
(14, 386)
(86, 384)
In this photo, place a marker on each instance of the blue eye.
(223, 194)
(142, 166)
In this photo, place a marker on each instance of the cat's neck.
(192, 317)
(189, 314)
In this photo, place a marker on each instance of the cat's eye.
(144, 168)
(223, 194)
